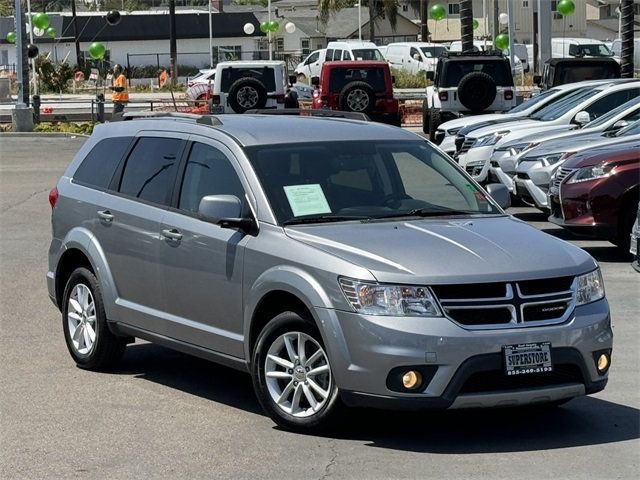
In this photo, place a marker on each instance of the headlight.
(590, 173)
(552, 159)
(520, 147)
(489, 140)
(453, 131)
(590, 287)
(371, 298)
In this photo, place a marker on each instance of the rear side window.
(150, 170)
(98, 167)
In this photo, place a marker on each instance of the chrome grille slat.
(562, 174)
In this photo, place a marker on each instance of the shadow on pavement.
(584, 421)
(535, 216)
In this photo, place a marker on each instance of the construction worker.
(119, 95)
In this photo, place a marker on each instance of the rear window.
(98, 167)
(340, 77)
(265, 74)
(577, 73)
(151, 168)
(367, 54)
(498, 70)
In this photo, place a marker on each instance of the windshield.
(539, 101)
(557, 109)
(433, 52)
(613, 113)
(633, 129)
(595, 50)
(367, 54)
(363, 180)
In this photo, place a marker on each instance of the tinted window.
(414, 51)
(340, 77)
(557, 109)
(208, 172)
(97, 168)
(337, 54)
(498, 70)
(265, 74)
(605, 104)
(150, 169)
(577, 73)
(313, 58)
(433, 52)
(367, 54)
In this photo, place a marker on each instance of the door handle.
(105, 215)
(172, 234)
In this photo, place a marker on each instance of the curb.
(42, 134)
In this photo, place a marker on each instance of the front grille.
(508, 305)
(561, 175)
(522, 175)
(467, 144)
(497, 381)
(459, 141)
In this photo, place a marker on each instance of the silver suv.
(337, 261)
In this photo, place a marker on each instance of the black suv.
(558, 71)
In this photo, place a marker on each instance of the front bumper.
(364, 349)
(476, 162)
(496, 174)
(530, 193)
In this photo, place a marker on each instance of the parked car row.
(554, 148)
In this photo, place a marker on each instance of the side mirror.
(293, 79)
(226, 211)
(430, 75)
(315, 81)
(416, 57)
(619, 124)
(581, 118)
(500, 193)
(537, 79)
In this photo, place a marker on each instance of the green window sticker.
(306, 199)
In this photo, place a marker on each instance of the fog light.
(411, 379)
(603, 362)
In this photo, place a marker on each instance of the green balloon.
(40, 20)
(11, 37)
(437, 12)
(476, 24)
(566, 7)
(502, 41)
(264, 27)
(97, 50)
(273, 26)
(51, 32)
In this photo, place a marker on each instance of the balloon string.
(99, 32)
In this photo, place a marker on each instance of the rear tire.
(426, 117)
(89, 340)
(293, 396)
(434, 123)
(625, 226)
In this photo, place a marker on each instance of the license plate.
(527, 358)
(216, 109)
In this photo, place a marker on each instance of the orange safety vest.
(123, 96)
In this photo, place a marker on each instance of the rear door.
(129, 221)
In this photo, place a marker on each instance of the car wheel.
(247, 94)
(84, 322)
(625, 226)
(357, 97)
(292, 374)
(434, 123)
(426, 116)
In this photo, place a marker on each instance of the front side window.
(208, 172)
(313, 58)
(98, 167)
(611, 101)
(150, 169)
(364, 180)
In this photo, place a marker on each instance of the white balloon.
(249, 28)
(290, 27)
(503, 18)
(38, 32)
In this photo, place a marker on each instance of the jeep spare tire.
(247, 94)
(357, 97)
(476, 91)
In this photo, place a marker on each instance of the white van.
(485, 45)
(352, 50)
(311, 66)
(414, 57)
(616, 48)
(579, 47)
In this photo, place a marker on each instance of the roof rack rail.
(149, 114)
(307, 112)
(473, 53)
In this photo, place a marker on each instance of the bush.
(405, 79)
(52, 77)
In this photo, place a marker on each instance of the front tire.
(292, 375)
(84, 322)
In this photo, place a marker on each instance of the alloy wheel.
(247, 97)
(81, 319)
(358, 100)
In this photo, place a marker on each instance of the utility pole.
(79, 58)
(424, 18)
(21, 115)
(173, 50)
(626, 38)
(466, 24)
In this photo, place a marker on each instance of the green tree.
(262, 3)
(6, 8)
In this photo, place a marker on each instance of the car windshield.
(595, 50)
(433, 52)
(230, 75)
(341, 77)
(613, 113)
(557, 109)
(498, 70)
(538, 101)
(633, 129)
(363, 180)
(367, 54)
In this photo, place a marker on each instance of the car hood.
(578, 143)
(543, 134)
(511, 126)
(479, 121)
(460, 250)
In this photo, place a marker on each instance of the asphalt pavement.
(163, 414)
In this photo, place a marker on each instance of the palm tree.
(377, 8)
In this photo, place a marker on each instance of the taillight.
(53, 197)
(508, 94)
(443, 96)
(215, 99)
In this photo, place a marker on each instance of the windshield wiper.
(324, 218)
(427, 212)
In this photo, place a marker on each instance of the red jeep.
(357, 86)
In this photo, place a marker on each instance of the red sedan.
(596, 193)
